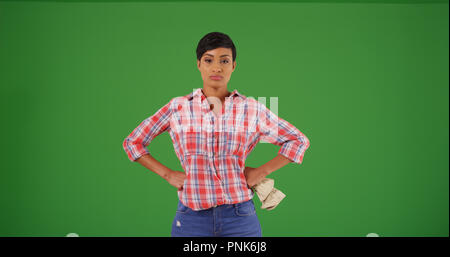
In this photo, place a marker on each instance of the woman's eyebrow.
(220, 56)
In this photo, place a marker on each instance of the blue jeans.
(227, 220)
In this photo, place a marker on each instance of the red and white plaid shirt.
(212, 150)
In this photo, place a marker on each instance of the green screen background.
(365, 81)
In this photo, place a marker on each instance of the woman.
(213, 131)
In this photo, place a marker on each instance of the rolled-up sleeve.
(278, 131)
(135, 144)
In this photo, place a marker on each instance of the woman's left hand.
(253, 176)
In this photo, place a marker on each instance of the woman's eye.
(208, 60)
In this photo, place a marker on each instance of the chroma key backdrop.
(365, 81)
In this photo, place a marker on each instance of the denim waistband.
(224, 206)
(233, 204)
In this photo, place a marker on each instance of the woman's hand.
(176, 178)
(253, 176)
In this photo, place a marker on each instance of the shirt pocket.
(233, 141)
(194, 142)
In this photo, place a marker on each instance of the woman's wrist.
(166, 174)
(264, 170)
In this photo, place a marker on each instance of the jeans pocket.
(181, 208)
(245, 209)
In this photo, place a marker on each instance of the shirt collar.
(199, 93)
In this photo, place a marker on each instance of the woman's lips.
(215, 77)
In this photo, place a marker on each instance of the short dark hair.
(215, 40)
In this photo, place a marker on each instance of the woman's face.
(216, 62)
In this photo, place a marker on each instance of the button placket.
(214, 128)
(215, 154)
(215, 149)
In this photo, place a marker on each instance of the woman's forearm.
(276, 163)
(154, 165)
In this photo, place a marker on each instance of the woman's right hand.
(176, 179)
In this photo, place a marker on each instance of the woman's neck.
(220, 93)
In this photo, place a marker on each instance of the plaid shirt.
(212, 149)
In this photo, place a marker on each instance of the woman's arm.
(255, 175)
(135, 145)
(277, 131)
(175, 178)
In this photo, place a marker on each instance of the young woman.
(213, 131)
